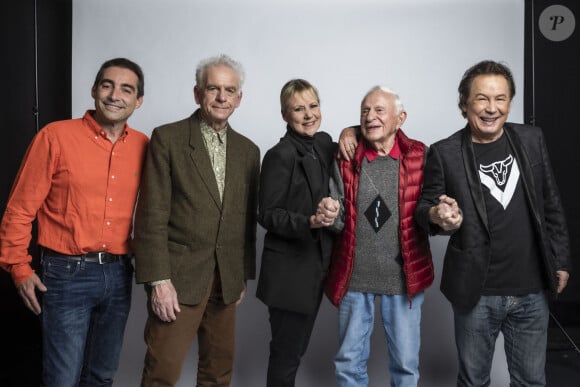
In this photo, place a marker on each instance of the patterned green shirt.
(215, 143)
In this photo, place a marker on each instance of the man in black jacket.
(491, 187)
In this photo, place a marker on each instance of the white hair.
(398, 103)
(220, 60)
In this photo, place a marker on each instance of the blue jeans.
(523, 321)
(401, 323)
(84, 312)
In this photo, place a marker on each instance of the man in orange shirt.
(79, 180)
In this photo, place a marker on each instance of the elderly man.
(79, 180)
(490, 186)
(195, 231)
(380, 253)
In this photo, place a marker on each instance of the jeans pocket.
(59, 267)
(127, 265)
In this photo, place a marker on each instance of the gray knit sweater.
(377, 259)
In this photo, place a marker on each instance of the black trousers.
(290, 337)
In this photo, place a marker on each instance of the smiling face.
(220, 95)
(380, 120)
(303, 113)
(487, 107)
(116, 96)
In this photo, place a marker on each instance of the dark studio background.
(552, 99)
(22, 47)
(36, 41)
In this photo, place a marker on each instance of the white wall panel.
(420, 48)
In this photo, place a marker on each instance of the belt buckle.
(101, 255)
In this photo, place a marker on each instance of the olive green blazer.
(182, 228)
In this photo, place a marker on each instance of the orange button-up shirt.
(80, 186)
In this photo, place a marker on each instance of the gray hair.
(398, 103)
(220, 60)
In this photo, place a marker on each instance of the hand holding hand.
(446, 214)
(326, 213)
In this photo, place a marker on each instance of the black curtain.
(552, 99)
(36, 63)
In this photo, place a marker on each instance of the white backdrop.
(419, 48)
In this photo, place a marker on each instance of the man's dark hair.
(127, 64)
(486, 67)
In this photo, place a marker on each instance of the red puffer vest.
(417, 261)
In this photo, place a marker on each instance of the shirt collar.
(372, 154)
(209, 132)
(95, 127)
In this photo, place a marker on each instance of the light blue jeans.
(523, 321)
(84, 312)
(401, 322)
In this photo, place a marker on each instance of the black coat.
(295, 258)
(451, 169)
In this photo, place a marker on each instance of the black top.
(514, 267)
(293, 179)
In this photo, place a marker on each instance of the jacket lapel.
(306, 162)
(321, 152)
(201, 160)
(525, 170)
(235, 168)
(473, 176)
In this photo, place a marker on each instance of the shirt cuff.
(20, 273)
(159, 282)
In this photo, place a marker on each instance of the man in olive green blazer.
(195, 231)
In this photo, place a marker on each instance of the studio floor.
(563, 359)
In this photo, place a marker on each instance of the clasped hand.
(446, 214)
(326, 213)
